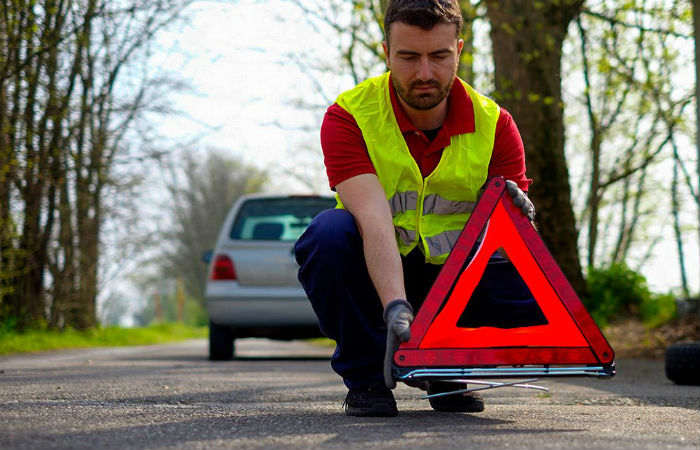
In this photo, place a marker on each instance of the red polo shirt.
(345, 152)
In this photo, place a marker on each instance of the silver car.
(252, 290)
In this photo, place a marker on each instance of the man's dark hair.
(424, 14)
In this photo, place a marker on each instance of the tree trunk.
(465, 69)
(527, 42)
(593, 203)
(6, 226)
(677, 232)
(63, 268)
(623, 231)
(696, 28)
(33, 242)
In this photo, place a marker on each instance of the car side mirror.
(207, 255)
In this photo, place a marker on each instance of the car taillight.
(223, 268)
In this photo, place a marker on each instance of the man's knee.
(332, 230)
(334, 223)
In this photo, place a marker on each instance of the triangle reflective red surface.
(568, 335)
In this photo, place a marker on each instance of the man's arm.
(508, 157)
(363, 196)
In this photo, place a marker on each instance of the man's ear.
(460, 45)
(385, 46)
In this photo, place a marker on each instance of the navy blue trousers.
(334, 275)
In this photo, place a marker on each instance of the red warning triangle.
(569, 334)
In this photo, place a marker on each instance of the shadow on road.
(638, 381)
(261, 428)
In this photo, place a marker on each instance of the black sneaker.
(374, 400)
(467, 402)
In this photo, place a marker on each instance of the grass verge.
(29, 341)
(322, 341)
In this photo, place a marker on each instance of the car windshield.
(277, 219)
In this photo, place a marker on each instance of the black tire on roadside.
(221, 342)
(683, 363)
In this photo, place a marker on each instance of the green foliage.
(7, 325)
(657, 310)
(618, 291)
(322, 341)
(614, 291)
(35, 340)
(195, 314)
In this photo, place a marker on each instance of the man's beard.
(423, 101)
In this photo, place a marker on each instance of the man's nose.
(425, 72)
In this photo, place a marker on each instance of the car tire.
(683, 363)
(221, 342)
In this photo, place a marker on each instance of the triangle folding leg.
(568, 342)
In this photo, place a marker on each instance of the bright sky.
(235, 54)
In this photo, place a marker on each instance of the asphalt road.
(284, 395)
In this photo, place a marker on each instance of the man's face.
(423, 63)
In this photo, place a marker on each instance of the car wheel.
(220, 342)
(683, 363)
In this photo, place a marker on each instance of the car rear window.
(277, 219)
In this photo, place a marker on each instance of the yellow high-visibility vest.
(428, 212)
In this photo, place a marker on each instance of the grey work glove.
(398, 316)
(520, 200)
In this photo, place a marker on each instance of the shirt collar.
(460, 111)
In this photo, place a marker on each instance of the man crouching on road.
(407, 153)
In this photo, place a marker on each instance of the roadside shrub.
(618, 291)
(8, 325)
(658, 309)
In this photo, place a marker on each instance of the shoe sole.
(375, 411)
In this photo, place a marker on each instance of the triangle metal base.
(459, 373)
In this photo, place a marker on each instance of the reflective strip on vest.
(407, 236)
(403, 201)
(435, 204)
(442, 243)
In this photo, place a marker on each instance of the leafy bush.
(619, 291)
(658, 310)
(8, 325)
